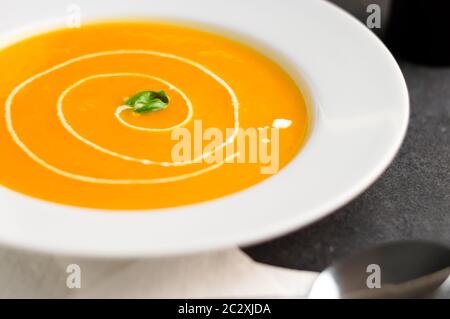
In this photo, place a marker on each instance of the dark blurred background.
(412, 198)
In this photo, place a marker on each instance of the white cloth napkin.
(224, 274)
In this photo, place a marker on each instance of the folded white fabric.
(224, 274)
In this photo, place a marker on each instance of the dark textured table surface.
(410, 201)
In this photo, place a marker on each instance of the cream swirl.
(119, 110)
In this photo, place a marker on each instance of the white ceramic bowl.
(360, 118)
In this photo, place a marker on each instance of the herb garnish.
(148, 101)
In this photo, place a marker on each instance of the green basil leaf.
(148, 101)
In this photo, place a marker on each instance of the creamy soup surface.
(66, 136)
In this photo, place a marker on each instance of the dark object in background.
(419, 31)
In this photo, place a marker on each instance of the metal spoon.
(406, 269)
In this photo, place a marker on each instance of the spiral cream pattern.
(119, 110)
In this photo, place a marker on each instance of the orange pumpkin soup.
(93, 116)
